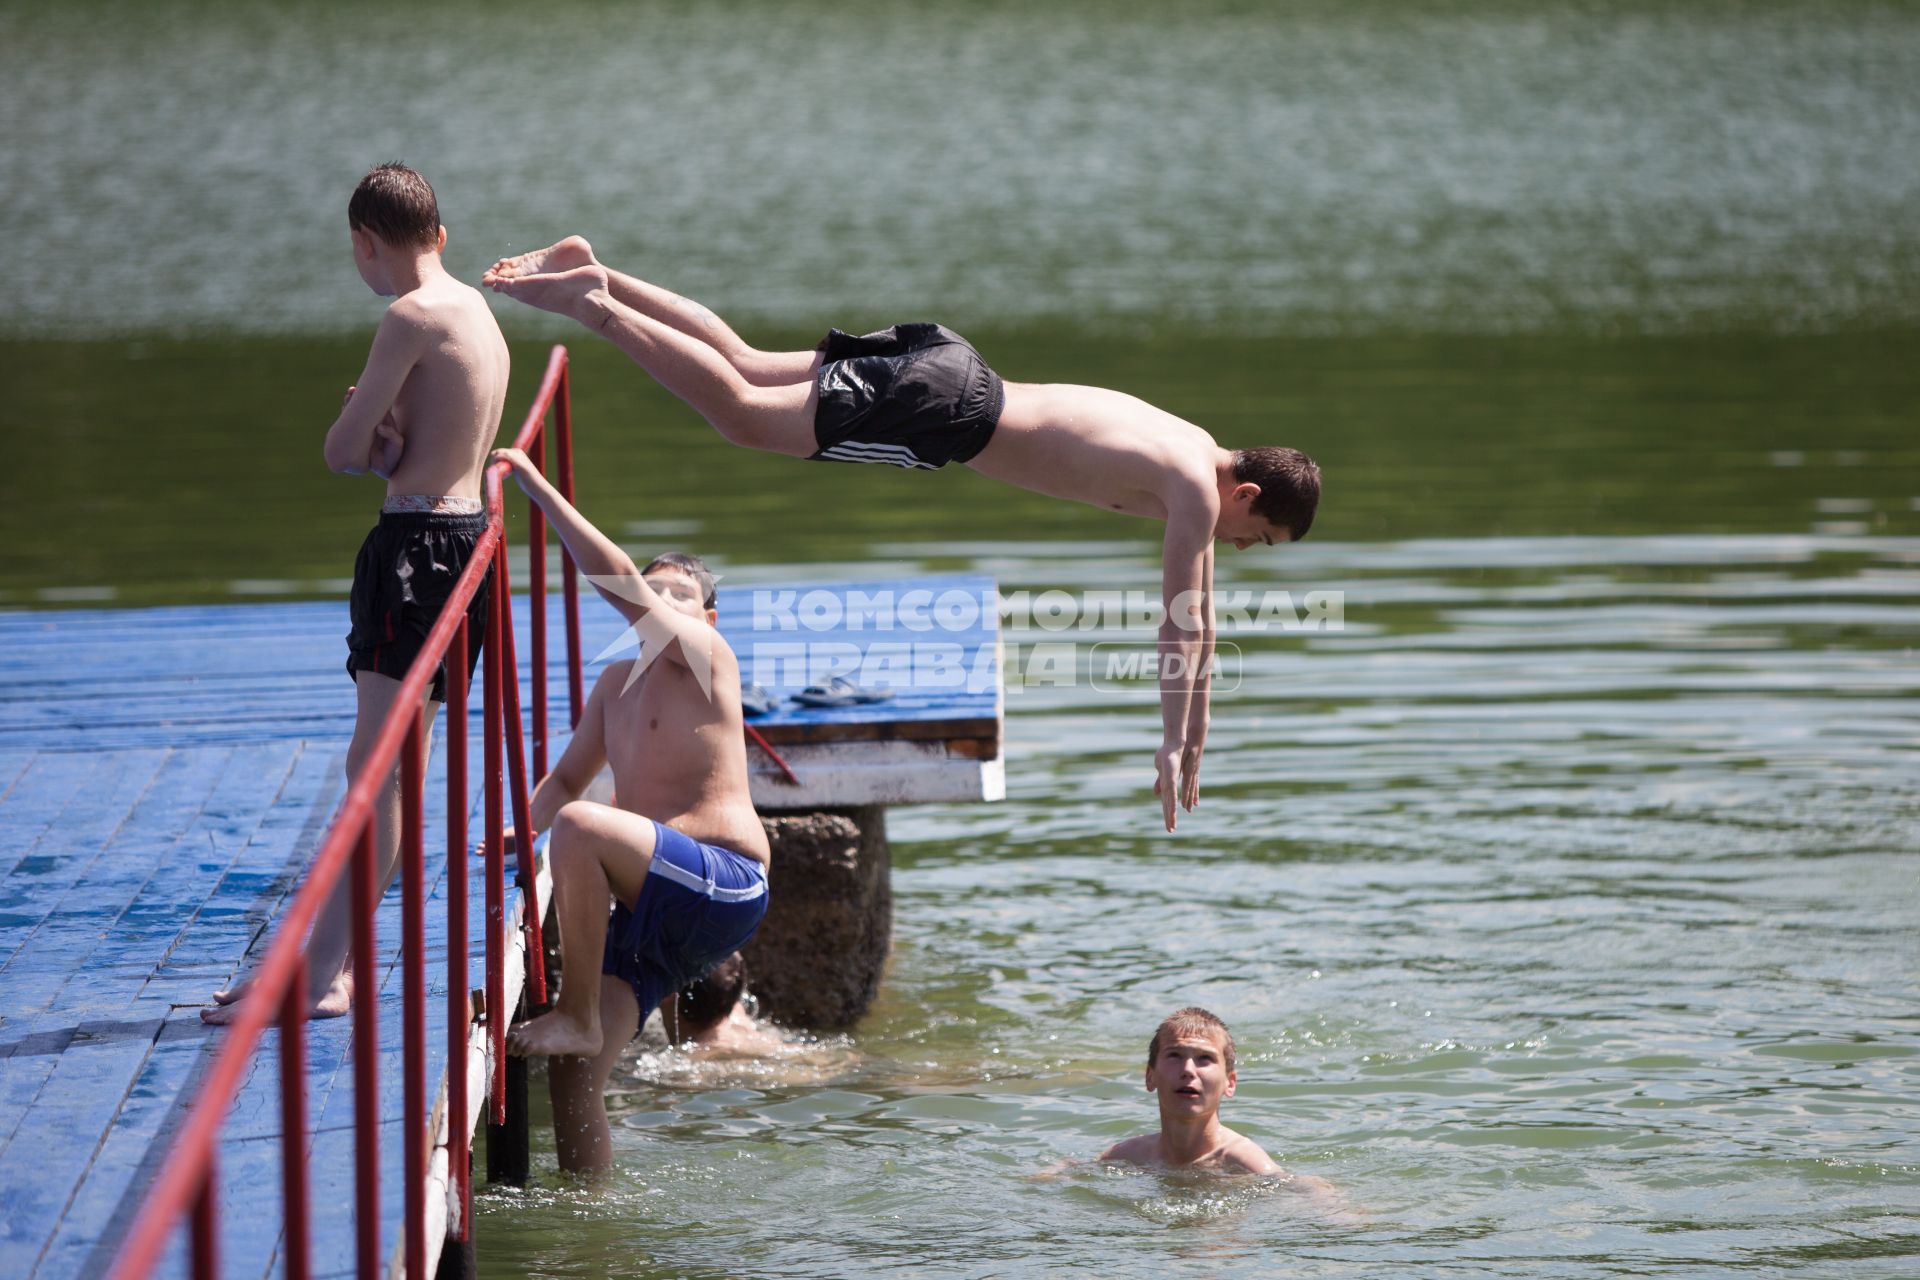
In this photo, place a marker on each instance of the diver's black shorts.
(913, 395)
(406, 569)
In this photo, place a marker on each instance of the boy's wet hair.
(1190, 1021)
(396, 204)
(1289, 486)
(706, 1002)
(693, 566)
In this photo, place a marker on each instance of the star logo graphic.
(650, 634)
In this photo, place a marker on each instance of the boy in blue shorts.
(682, 859)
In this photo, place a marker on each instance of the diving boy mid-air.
(919, 396)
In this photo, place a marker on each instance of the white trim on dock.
(443, 1206)
(842, 774)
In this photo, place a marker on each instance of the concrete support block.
(820, 953)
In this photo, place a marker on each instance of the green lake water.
(1564, 902)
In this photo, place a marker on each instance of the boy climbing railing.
(186, 1183)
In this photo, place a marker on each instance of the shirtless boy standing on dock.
(422, 417)
(919, 396)
(683, 858)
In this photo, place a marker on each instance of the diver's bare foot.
(554, 1034)
(580, 293)
(572, 252)
(336, 1000)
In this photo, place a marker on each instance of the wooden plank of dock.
(137, 877)
(133, 923)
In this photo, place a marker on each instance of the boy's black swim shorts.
(406, 569)
(913, 395)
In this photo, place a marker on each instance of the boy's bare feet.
(233, 992)
(336, 1001)
(566, 293)
(554, 1034)
(338, 998)
(572, 252)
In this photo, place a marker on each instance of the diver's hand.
(1166, 781)
(1190, 775)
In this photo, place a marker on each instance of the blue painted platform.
(933, 641)
(165, 777)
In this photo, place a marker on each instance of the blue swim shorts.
(700, 904)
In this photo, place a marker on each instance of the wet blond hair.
(1191, 1020)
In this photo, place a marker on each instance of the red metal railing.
(185, 1184)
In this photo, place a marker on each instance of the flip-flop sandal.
(756, 701)
(839, 692)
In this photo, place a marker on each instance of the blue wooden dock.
(934, 642)
(168, 775)
(165, 777)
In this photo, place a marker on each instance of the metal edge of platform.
(888, 772)
(443, 1208)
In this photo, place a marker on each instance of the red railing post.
(413, 1038)
(185, 1185)
(569, 574)
(293, 1122)
(492, 744)
(522, 816)
(366, 1047)
(537, 603)
(459, 1011)
(206, 1232)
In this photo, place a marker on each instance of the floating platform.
(934, 641)
(165, 777)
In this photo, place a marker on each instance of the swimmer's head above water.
(1190, 1063)
(706, 1002)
